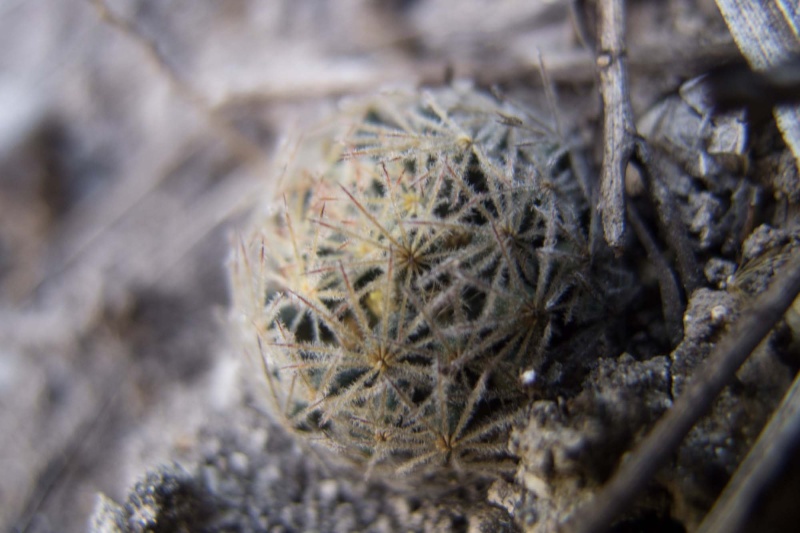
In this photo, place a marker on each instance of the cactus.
(423, 252)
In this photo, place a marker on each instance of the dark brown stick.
(671, 303)
(669, 220)
(636, 470)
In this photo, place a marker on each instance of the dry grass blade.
(768, 33)
(635, 472)
(761, 466)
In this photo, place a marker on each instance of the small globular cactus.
(422, 254)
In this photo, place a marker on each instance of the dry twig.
(669, 220)
(671, 303)
(618, 127)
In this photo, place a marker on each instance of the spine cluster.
(423, 253)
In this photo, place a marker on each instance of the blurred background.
(135, 135)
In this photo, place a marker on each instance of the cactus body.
(424, 253)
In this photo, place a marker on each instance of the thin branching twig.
(88, 231)
(238, 142)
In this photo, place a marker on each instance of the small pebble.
(528, 377)
(239, 463)
(719, 314)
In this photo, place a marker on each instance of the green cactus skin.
(424, 251)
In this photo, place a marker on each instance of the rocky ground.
(136, 134)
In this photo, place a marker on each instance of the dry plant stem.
(636, 470)
(670, 292)
(618, 127)
(581, 24)
(669, 219)
(760, 468)
(79, 444)
(570, 67)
